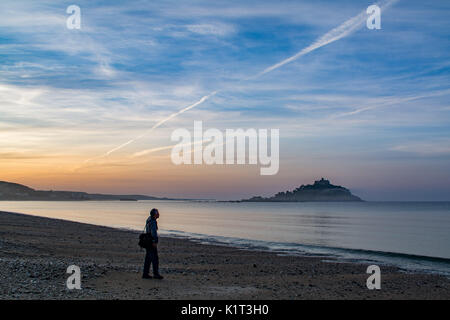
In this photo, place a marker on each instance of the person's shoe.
(158, 276)
(146, 276)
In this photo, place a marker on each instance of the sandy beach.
(35, 253)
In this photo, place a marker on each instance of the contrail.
(145, 152)
(158, 124)
(335, 34)
(392, 102)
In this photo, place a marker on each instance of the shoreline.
(337, 254)
(300, 250)
(35, 252)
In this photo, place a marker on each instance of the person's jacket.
(151, 226)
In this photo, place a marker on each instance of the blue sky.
(370, 111)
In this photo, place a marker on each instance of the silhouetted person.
(151, 255)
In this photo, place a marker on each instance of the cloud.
(217, 29)
(134, 65)
(425, 148)
(20, 156)
(335, 34)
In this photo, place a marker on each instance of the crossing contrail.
(145, 152)
(158, 124)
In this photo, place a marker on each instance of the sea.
(414, 236)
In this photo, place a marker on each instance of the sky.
(367, 109)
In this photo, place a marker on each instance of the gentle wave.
(405, 262)
(412, 236)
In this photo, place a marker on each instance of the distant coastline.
(17, 192)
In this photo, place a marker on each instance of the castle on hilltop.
(322, 182)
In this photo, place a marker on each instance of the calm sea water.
(412, 235)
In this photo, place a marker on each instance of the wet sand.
(35, 253)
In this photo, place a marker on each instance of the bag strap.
(145, 228)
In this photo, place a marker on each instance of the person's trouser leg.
(148, 258)
(155, 260)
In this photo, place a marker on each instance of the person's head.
(154, 213)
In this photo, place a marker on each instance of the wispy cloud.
(425, 148)
(217, 29)
(335, 34)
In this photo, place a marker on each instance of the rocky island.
(321, 190)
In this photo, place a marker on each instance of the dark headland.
(321, 190)
(14, 192)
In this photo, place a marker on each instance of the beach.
(35, 253)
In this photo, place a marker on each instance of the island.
(18, 192)
(321, 190)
